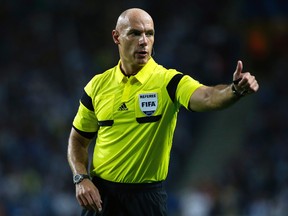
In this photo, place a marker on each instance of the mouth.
(142, 53)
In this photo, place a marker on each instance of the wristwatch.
(237, 93)
(79, 178)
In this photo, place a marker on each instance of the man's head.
(134, 35)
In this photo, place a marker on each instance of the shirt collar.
(141, 76)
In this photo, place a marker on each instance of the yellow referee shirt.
(135, 118)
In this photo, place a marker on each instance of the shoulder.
(166, 73)
(98, 80)
(103, 76)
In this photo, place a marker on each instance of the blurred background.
(226, 163)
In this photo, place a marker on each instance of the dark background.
(50, 49)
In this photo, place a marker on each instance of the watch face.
(77, 178)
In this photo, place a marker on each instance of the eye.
(150, 33)
(134, 33)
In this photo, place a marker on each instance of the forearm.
(208, 98)
(77, 154)
(221, 96)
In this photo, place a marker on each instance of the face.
(135, 39)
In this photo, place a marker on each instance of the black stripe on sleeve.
(172, 86)
(86, 100)
(88, 135)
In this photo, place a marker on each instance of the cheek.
(126, 50)
(129, 47)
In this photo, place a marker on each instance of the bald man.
(132, 110)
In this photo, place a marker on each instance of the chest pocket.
(148, 106)
(104, 109)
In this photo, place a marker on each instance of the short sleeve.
(185, 89)
(85, 120)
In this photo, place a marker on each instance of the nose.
(143, 40)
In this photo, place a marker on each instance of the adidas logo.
(122, 107)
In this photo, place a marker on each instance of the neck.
(130, 71)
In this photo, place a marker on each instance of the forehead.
(136, 21)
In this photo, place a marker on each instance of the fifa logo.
(148, 103)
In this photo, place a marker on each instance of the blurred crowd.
(50, 49)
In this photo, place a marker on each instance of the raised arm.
(208, 98)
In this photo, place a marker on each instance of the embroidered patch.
(148, 103)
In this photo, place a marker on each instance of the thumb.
(237, 73)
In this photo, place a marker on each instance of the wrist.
(235, 92)
(79, 178)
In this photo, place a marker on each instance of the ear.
(115, 36)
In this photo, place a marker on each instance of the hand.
(244, 83)
(88, 195)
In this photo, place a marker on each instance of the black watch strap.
(79, 178)
(235, 92)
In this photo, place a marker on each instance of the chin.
(143, 61)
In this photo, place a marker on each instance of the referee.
(133, 109)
